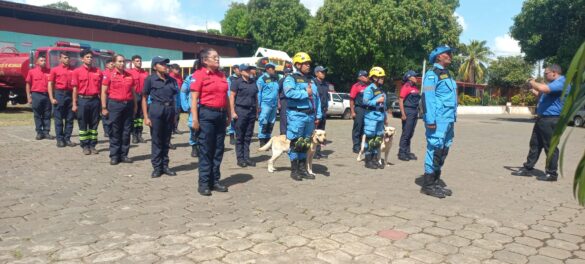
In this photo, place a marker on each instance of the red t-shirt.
(61, 77)
(408, 89)
(356, 88)
(38, 79)
(139, 75)
(88, 80)
(177, 78)
(120, 85)
(211, 86)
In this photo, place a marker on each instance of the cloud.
(160, 12)
(460, 20)
(506, 46)
(312, 5)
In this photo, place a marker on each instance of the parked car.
(579, 118)
(339, 105)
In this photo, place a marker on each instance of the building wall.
(26, 42)
(99, 36)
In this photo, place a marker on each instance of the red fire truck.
(14, 67)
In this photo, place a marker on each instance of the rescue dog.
(280, 145)
(387, 138)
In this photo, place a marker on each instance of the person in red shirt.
(409, 101)
(119, 88)
(37, 91)
(60, 94)
(358, 110)
(140, 75)
(175, 73)
(211, 117)
(86, 81)
(106, 73)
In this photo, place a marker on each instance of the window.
(337, 98)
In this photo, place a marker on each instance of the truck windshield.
(74, 59)
(100, 60)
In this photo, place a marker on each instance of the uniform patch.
(444, 76)
(431, 77)
(377, 92)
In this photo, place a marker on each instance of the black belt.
(171, 103)
(45, 93)
(88, 96)
(371, 108)
(63, 91)
(307, 111)
(547, 116)
(119, 101)
(246, 107)
(362, 106)
(215, 109)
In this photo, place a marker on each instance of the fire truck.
(14, 67)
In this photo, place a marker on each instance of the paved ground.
(57, 205)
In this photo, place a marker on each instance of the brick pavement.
(59, 206)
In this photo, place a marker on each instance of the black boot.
(430, 188)
(294, 170)
(140, 138)
(403, 157)
(441, 184)
(369, 162)
(134, 138)
(303, 170)
(262, 141)
(380, 162)
(195, 151)
(232, 139)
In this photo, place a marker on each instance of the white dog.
(388, 136)
(280, 145)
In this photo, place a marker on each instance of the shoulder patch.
(443, 76)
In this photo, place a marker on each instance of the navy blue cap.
(320, 69)
(362, 73)
(408, 74)
(270, 65)
(235, 66)
(159, 60)
(245, 67)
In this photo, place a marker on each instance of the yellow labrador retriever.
(280, 145)
(388, 136)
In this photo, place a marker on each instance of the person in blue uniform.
(231, 132)
(408, 101)
(323, 90)
(550, 106)
(356, 104)
(303, 112)
(160, 114)
(268, 102)
(439, 101)
(375, 117)
(186, 106)
(244, 104)
(282, 101)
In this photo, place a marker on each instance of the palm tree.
(475, 58)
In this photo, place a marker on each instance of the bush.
(469, 100)
(524, 98)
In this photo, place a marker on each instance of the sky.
(488, 20)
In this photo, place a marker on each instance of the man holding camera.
(550, 105)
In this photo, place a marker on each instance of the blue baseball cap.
(408, 74)
(235, 66)
(159, 60)
(320, 69)
(270, 65)
(362, 73)
(438, 51)
(245, 67)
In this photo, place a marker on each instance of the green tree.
(508, 73)
(63, 5)
(214, 31)
(475, 59)
(550, 29)
(349, 35)
(236, 21)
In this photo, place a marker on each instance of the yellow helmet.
(377, 71)
(301, 57)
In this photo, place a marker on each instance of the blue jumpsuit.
(268, 101)
(374, 117)
(301, 110)
(186, 106)
(439, 101)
